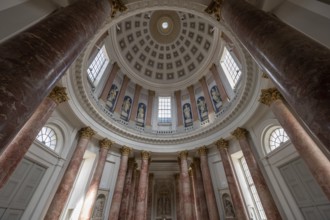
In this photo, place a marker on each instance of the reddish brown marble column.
(135, 101)
(298, 66)
(196, 208)
(237, 198)
(177, 95)
(119, 188)
(60, 198)
(108, 84)
(207, 97)
(193, 102)
(200, 189)
(222, 90)
(135, 188)
(317, 162)
(123, 214)
(178, 197)
(142, 193)
(150, 189)
(122, 93)
(34, 60)
(186, 190)
(151, 96)
(208, 186)
(258, 179)
(87, 209)
(14, 152)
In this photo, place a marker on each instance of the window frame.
(50, 131)
(234, 74)
(94, 78)
(164, 109)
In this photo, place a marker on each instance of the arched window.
(97, 67)
(231, 68)
(276, 138)
(47, 137)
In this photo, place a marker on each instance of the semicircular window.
(47, 137)
(277, 137)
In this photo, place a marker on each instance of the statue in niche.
(140, 114)
(126, 107)
(99, 207)
(111, 99)
(202, 108)
(216, 98)
(229, 209)
(187, 115)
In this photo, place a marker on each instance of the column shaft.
(150, 190)
(44, 51)
(177, 95)
(135, 188)
(16, 149)
(119, 188)
(90, 198)
(196, 207)
(266, 198)
(178, 197)
(142, 194)
(135, 101)
(151, 96)
(60, 198)
(208, 186)
(121, 95)
(124, 207)
(208, 100)
(237, 198)
(200, 189)
(186, 191)
(193, 102)
(108, 84)
(222, 90)
(298, 66)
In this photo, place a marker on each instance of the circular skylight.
(165, 25)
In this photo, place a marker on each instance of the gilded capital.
(183, 155)
(202, 151)
(105, 143)
(264, 75)
(214, 8)
(87, 132)
(145, 155)
(222, 143)
(125, 151)
(117, 5)
(58, 95)
(240, 133)
(268, 96)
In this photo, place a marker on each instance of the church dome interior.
(164, 110)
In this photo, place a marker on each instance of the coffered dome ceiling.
(162, 49)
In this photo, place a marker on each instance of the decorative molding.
(105, 143)
(87, 132)
(240, 133)
(58, 95)
(268, 96)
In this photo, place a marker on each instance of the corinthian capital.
(105, 143)
(202, 151)
(183, 155)
(222, 143)
(58, 95)
(268, 96)
(125, 151)
(87, 132)
(145, 155)
(240, 133)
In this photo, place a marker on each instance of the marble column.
(135, 101)
(178, 197)
(135, 188)
(208, 186)
(236, 195)
(218, 81)
(123, 213)
(150, 190)
(266, 198)
(297, 65)
(121, 95)
(142, 193)
(177, 95)
(193, 102)
(200, 189)
(151, 96)
(186, 190)
(317, 162)
(209, 103)
(108, 84)
(196, 208)
(90, 198)
(15, 151)
(60, 198)
(119, 188)
(45, 51)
